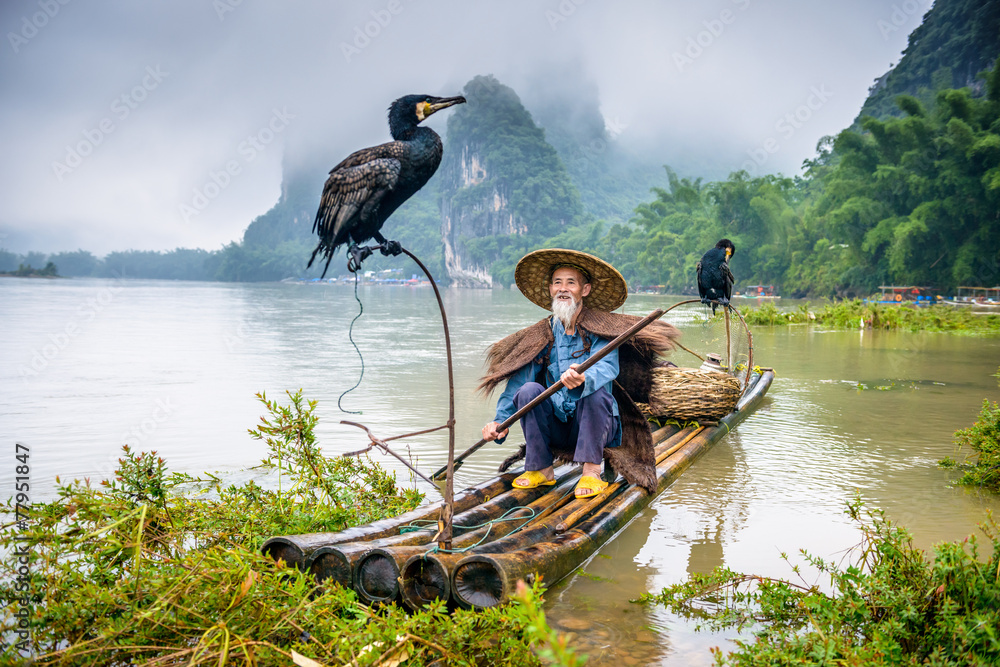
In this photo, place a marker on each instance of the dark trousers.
(586, 433)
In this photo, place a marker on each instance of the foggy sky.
(162, 124)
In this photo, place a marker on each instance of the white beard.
(564, 310)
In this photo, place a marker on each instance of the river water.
(89, 365)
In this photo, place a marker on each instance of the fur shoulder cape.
(636, 359)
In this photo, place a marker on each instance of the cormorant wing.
(350, 191)
(701, 285)
(392, 149)
(727, 273)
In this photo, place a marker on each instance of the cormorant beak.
(442, 103)
(729, 253)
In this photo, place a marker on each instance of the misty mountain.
(503, 185)
(956, 41)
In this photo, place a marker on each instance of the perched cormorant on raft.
(715, 280)
(369, 185)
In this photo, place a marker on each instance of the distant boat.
(977, 297)
(899, 294)
(758, 292)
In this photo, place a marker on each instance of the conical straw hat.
(533, 274)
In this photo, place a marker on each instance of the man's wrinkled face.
(568, 286)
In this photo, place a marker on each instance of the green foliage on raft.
(889, 605)
(983, 438)
(856, 314)
(154, 567)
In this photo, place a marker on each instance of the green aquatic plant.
(983, 438)
(888, 604)
(858, 314)
(157, 568)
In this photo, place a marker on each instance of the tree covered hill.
(956, 40)
(503, 189)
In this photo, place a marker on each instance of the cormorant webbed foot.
(357, 254)
(391, 248)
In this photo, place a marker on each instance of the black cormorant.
(715, 280)
(364, 189)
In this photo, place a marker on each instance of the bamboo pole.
(729, 340)
(377, 571)
(667, 452)
(427, 577)
(298, 550)
(335, 563)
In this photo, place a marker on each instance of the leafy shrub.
(890, 606)
(983, 437)
(133, 571)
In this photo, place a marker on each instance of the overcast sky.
(156, 124)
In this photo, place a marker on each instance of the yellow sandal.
(588, 487)
(531, 479)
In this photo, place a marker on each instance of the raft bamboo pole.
(377, 571)
(297, 549)
(590, 505)
(426, 576)
(667, 452)
(336, 562)
(485, 579)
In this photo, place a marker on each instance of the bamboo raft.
(547, 532)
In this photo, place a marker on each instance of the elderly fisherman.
(593, 417)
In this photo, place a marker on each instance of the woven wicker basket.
(688, 394)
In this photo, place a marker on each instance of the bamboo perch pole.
(729, 341)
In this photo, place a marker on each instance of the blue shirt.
(598, 376)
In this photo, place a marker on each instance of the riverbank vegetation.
(27, 271)
(982, 466)
(159, 568)
(887, 604)
(857, 314)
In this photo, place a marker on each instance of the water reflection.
(594, 604)
(174, 367)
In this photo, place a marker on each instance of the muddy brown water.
(88, 365)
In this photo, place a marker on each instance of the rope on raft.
(429, 523)
(350, 336)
